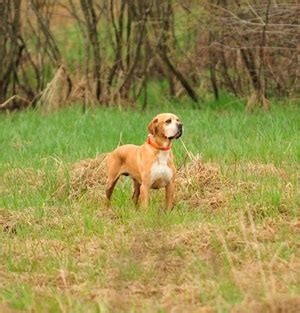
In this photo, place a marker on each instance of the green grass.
(67, 254)
(222, 136)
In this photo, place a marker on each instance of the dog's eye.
(168, 121)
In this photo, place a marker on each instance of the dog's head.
(166, 125)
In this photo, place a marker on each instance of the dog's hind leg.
(136, 191)
(113, 174)
(111, 183)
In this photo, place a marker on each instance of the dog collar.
(153, 144)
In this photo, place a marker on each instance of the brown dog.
(151, 164)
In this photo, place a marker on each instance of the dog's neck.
(159, 143)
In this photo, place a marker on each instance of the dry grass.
(57, 91)
(259, 169)
(198, 183)
(174, 266)
(201, 184)
(174, 269)
(28, 177)
(85, 177)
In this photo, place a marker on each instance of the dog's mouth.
(177, 135)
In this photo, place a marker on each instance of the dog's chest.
(161, 173)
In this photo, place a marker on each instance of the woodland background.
(112, 52)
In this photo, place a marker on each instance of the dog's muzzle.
(179, 132)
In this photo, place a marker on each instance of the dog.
(149, 165)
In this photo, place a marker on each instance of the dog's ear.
(152, 126)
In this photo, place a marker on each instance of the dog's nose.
(180, 126)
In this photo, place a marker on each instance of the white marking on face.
(171, 129)
(160, 169)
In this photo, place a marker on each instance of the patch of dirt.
(278, 303)
(5, 308)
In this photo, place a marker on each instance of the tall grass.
(219, 135)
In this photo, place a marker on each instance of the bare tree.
(91, 20)
(11, 47)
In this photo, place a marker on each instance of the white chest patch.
(161, 173)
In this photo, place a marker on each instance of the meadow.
(65, 254)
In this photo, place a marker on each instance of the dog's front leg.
(136, 192)
(170, 195)
(144, 189)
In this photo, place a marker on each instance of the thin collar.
(155, 145)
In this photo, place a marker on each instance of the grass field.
(66, 254)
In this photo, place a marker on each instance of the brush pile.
(198, 183)
(87, 177)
